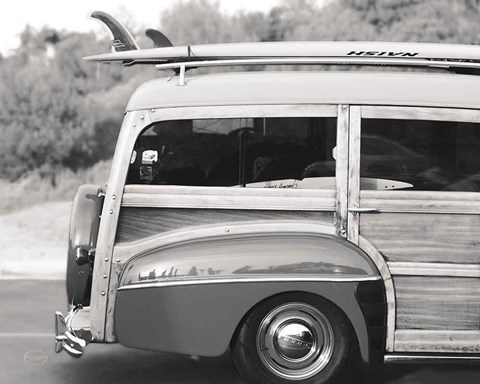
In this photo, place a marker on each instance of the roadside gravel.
(33, 242)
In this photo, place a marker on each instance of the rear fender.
(189, 296)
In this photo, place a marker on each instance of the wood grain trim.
(420, 113)
(103, 289)
(341, 171)
(229, 202)
(437, 303)
(428, 238)
(239, 111)
(437, 341)
(434, 269)
(456, 203)
(225, 191)
(123, 252)
(354, 173)
(384, 271)
(137, 223)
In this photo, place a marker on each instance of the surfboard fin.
(122, 39)
(158, 38)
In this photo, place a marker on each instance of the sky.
(72, 15)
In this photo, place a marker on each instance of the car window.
(422, 155)
(247, 152)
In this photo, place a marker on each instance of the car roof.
(311, 87)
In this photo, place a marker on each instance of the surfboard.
(127, 51)
(158, 38)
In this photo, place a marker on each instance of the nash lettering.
(377, 54)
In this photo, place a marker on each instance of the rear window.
(246, 152)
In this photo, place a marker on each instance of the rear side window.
(421, 155)
(247, 152)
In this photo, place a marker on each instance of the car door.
(414, 195)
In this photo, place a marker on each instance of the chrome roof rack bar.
(444, 64)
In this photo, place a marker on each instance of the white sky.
(72, 14)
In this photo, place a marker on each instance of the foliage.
(58, 112)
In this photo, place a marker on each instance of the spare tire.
(84, 224)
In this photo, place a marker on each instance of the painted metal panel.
(258, 254)
(254, 89)
(172, 319)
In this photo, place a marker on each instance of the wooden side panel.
(437, 303)
(353, 174)
(423, 237)
(437, 341)
(342, 170)
(138, 223)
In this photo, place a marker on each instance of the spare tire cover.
(84, 224)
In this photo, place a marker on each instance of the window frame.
(413, 113)
(307, 135)
(420, 202)
(232, 198)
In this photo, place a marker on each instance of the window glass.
(420, 155)
(252, 152)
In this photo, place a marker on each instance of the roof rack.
(457, 58)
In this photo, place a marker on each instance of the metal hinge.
(354, 209)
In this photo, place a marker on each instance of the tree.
(202, 22)
(414, 20)
(47, 122)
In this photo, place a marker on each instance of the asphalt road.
(26, 325)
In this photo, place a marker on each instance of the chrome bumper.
(69, 337)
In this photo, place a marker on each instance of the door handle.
(354, 210)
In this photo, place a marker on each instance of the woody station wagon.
(298, 218)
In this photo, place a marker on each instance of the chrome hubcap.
(295, 341)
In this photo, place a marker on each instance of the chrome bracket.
(354, 209)
(181, 76)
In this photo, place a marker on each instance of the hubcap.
(295, 341)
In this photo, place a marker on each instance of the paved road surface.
(26, 324)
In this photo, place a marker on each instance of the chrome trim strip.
(233, 280)
(317, 61)
(401, 268)
(433, 210)
(412, 358)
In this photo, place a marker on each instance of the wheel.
(293, 338)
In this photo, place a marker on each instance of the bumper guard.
(72, 339)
